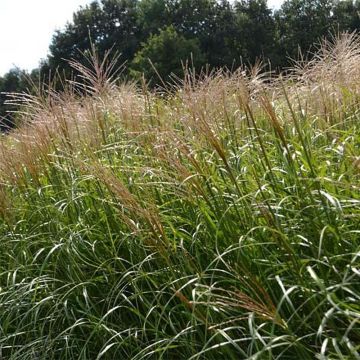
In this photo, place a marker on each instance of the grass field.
(217, 219)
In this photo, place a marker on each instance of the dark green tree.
(255, 36)
(219, 32)
(193, 18)
(108, 24)
(346, 15)
(168, 53)
(15, 81)
(153, 16)
(301, 23)
(211, 22)
(217, 41)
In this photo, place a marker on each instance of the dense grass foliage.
(218, 220)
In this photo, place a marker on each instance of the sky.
(27, 26)
(26, 29)
(273, 4)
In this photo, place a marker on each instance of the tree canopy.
(166, 54)
(217, 33)
(226, 32)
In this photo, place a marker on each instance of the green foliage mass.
(107, 23)
(13, 82)
(301, 23)
(226, 33)
(167, 53)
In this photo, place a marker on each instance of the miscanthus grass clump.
(215, 219)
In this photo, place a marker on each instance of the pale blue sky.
(26, 28)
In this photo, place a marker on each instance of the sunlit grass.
(219, 221)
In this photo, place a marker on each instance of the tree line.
(211, 33)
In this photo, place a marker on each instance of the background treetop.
(214, 33)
